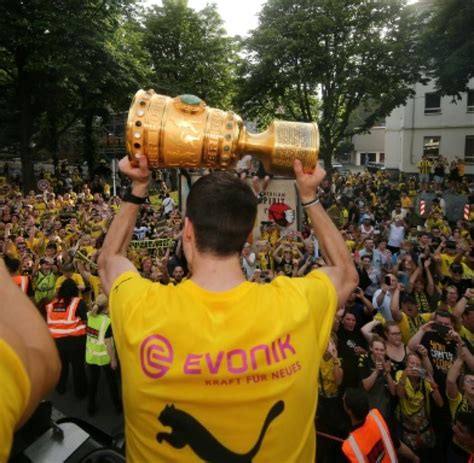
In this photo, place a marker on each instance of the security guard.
(66, 318)
(100, 353)
(370, 438)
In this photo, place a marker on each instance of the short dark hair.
(357, 403)
(444, 314)
(68, 289)
(222, 209)
(12, 264)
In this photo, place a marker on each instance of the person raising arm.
(340, 268)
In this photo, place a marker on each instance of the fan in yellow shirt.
(69, 272)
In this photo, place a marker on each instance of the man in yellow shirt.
(217, 367)
(68, 271)
(424, 167)
(29, 366)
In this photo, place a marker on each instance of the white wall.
(407, 126)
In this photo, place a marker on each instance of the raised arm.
(395, 305)
(367, 329)
(429, 276)
(112, 260)
(418, 336)
(341, 268)
(452, 378)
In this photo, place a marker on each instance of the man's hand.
(139, 174)
(308, 183)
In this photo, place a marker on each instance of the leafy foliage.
(323, 59)
(61, 62)
(449, 45)
(190, 52)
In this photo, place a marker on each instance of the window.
(432, 103)
(470, 101)
(469, 150)
(431, 146)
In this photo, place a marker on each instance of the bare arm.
(367, 329)
(28, 335)
(462, 304)
(451, 380)
(414, 276)
(418, 336)
(368, 307)
(369, 382)
(381, 295)
(341, 270)
(112, 261)
(111, 351)
(395, 305)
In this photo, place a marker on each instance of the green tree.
(60, 62)
(190, 52)
(449, 44)
(320, 60)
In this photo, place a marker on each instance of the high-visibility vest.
(63, 321)
(371, 442)
(96, 350)
(22, 282)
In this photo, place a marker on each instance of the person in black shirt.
(351, 344)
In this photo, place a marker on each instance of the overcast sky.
(239, 16)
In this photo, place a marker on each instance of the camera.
(388, 280)
(421, 372)
(442, 330)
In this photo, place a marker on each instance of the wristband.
(313, 202)
(129, 197)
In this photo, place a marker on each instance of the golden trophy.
(185, 132)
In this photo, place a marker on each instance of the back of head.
(222, 209)
(13, 265)
(68, 267)
(68, 289)
(356, 402)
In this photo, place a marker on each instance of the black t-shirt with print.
(442, 353)
(347, 342)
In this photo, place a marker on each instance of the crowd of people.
(405, 336)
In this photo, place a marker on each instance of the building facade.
(426, 124)
(433, 125)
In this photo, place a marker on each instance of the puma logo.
(187, 430)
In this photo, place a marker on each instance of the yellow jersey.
(415, 399)
(214, 375)
(15, 389)
(410, 325)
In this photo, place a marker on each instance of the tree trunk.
(53, 141)
(89, 143)
(325, 155)
(26, 130)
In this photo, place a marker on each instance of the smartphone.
(421, 372)
(441, 329)
(388, 280)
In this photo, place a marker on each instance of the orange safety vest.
(62, 321)
(21, 282)
(371, 442)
